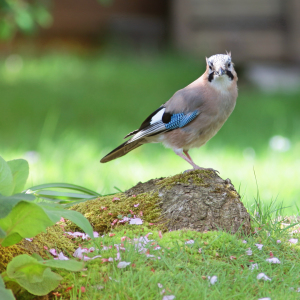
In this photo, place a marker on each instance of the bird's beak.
(221, 72)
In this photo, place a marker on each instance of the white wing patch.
(157, 117)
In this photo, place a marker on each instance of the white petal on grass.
(263, 276)
(29, 239)
(123, 264)
(244, 242)
(278, 241)
(160, 285)
(97, 256)
(53, 252)
(249, 251)
(273, 260)
(253, 267)
(169, 297)
(162, 291)
(114, 279)
(61, 256)
(259, 246)
(212, 279)
(78, 253)
(136, 221)
(190, 242)
(264, 299)
(293, 241)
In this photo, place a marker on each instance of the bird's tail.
(122, 150)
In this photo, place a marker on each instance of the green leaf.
(70, 265)
(32, 275)
(5, 294)
(64, 186)
(7, 203)
(20, 171)
(56, 212)
(6, 178)
(25, 220)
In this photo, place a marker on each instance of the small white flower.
(123, 264)
(273, 260)
(160, 285)
(61, 256)
(278, 241)
(244, 241)
(263, 276)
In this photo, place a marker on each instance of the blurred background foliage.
(63, 108)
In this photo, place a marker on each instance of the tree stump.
(199, 200)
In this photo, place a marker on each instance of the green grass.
(65, 112)
(183, 271)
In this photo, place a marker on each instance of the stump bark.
(199, 200)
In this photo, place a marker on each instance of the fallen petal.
(213, 279)
(123, 264)
(263, 276)
(160, 285)
(190, 242)
(61, 256)
(169, 297)
(278, 241)
(259, 246)
(253, 266)
(293, 241)
(136, 221)
(53, 252)
(160, 234)
(249, 251)
(136, 205)
(273, 260)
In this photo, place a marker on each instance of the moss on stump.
(198, 200)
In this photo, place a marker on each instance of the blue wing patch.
(181, 119)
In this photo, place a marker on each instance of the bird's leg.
(188, 158)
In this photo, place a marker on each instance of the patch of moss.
(195, 177)
(8, 253)
(54, 238)
(103, 211)
(43, 242)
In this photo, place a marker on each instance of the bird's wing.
(163, 121)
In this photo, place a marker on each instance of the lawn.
(63, 113)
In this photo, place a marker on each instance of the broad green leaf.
(20, 171)
(7, 203)
(26, 219)
(56, 212)
(5, 294)
(12, 239)
(2, 234)
(6, 178)
(31, 274)
(70, 265)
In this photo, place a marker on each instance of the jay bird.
(192, 116)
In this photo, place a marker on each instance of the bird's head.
(220, 67)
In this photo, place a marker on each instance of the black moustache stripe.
(228, 73)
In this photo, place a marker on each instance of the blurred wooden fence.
(251, 29)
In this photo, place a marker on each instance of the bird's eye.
(229, 64)
(210, 67)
